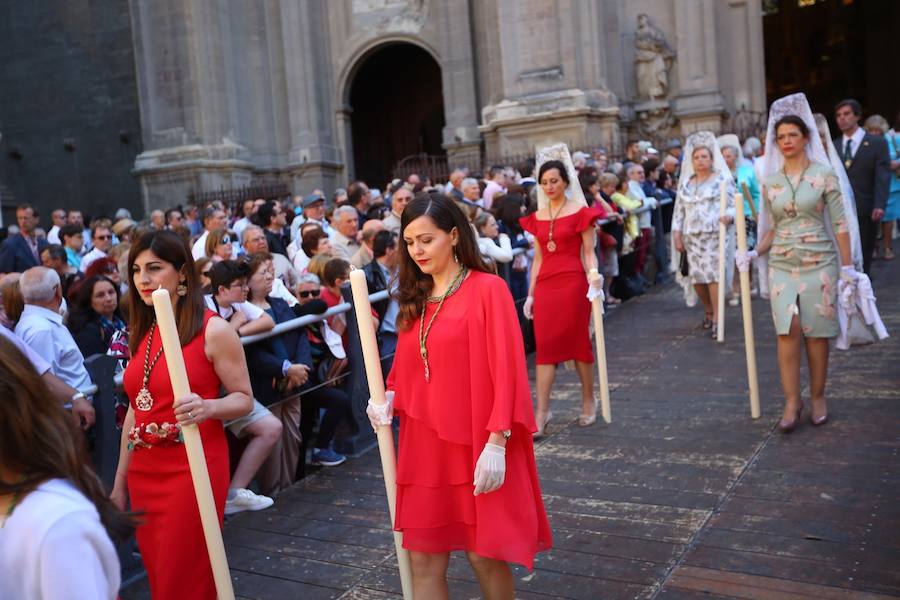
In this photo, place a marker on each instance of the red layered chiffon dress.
(561, 310)
(479, 384)
(170, 537)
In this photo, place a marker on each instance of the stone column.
(699, 103)
(552, 79)
(314, 159)
(183, 84)
(462, 139)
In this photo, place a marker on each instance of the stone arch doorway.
(397, 104)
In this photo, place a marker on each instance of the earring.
(455, 257)
(181, 290)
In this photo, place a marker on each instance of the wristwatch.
(506, 433)
(78, 396)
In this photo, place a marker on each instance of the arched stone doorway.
(397, 104)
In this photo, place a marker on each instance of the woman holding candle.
(695, 223)
(564, 228)
(466, 474)
(809, 231)
(153, 462)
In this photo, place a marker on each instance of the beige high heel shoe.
(588, 420)
(542, 426)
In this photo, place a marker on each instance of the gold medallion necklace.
(424, 331)
(144, 400)
(551, 245)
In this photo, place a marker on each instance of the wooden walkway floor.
(682, 497)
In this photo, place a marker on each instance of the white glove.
(849, 273)
(595, 286)
(743, 260)
(381, 414)
(526, 308)
(490, 471)
(652, 202)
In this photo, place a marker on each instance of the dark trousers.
(337, 408)
(868, 232)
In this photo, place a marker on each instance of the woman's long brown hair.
(39, 441)
(414, 286)
(189, 309)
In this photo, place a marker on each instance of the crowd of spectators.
(269, 260)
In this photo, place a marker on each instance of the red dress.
(561, 310)
(170, 537)
(479, 384)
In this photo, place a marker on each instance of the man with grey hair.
(399, 200)
(345, 224)
(41, 327)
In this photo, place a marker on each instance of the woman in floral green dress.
(809, 250)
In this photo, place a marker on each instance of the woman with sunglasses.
(219, 245)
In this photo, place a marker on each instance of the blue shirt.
(44, 331)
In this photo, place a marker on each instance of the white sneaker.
(244, 499)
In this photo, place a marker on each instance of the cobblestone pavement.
(682, 496)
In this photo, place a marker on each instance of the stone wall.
(68, 105)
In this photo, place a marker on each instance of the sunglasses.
(308, 293)
(225, 240)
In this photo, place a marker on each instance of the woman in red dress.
(557, 295)
(152, 461)
(466, 474)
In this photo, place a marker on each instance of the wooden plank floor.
(683, 496)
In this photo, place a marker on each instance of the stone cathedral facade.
(232, 91)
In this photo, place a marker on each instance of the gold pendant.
(847, 163)
(427, 374)
(143, 400)
(551, 246)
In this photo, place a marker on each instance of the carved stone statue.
(652, 60)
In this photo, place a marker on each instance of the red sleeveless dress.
(561, 310)
(170, 537)
(479, 383)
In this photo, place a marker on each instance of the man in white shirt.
(636, 177)
(313, 207)
(213, 218)
(101, 242)
(41, 327)
(346, 226)
(399, 200)
(496, 184)
(58, 217)
(248, 207)
(82, 409)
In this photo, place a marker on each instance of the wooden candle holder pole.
(747, 309)
(384, 434)
(720, 300)
(193, 445)
(600, 340)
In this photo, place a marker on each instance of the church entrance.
(831, 50)
(397, 110)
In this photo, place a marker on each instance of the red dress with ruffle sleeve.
(479, 383)
(170, 536)
(561, 310)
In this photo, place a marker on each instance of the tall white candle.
(193, 444)
(384, 434)
(746, 308)
(723, 285)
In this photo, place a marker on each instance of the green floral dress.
(803, 260)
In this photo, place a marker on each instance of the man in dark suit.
(20, 252)
(867, 161)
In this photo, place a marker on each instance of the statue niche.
(652, 60)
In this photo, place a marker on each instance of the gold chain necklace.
(551, 245)
(144, 400)
(424, 331)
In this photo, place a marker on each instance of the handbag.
(683, 265)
